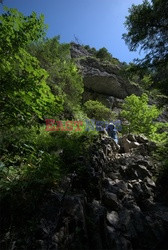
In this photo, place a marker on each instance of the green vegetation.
(32, 156)
(28, 155)
(105, 56)
(98, 111)
(64, 79)
(141, 116)
(147, 26)
(40, 80)
(147, 29)
(24, 94)
(102, 54)
(90, 50)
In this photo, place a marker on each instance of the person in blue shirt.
(112, 132)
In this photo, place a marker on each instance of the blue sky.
(98, 23)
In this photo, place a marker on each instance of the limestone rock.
(104, 79)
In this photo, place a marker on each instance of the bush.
(28, 157)
(90, 50)
(140, 115)
(96, 110)
(103, 54)
(32, 155)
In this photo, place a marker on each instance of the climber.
(112, 132)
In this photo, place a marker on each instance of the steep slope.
(111, 202)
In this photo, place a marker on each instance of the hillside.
(66, 182)
(112, 201)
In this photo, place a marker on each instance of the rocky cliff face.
(113, 203)
(101, 80)
(105, 82)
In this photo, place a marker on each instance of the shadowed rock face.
(102, 78)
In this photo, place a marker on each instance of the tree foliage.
(106, 56)
(36, 77)
(103, 54)
(147, 26)
(92, 50)
(24, 93)
(140, 115)
(64, 78)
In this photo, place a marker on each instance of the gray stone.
(113, 218)
(141, 139)
(126, 223)
(150, 182)
(78, 51)
(142, 171)
(131, 138)
(110, 200)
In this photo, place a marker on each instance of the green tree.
(147, 26)
(90, 50)
(64, 78)
(103, 54)
(24, 93)
(140, 115)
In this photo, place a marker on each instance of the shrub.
(90, 50)
(103, 54)
(98, 111)
(140, 115)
